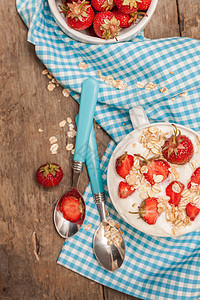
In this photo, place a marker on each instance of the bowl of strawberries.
(102, 21)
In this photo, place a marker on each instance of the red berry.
(79, 15)
(106, 26)
(178, 149)
(125, 189)
(148, 210)
(192, 211)
(71, 209)
(174, 190)
(127, 6)
(144, 5)
(157, 167)
(123, 164)
(49, 175)
(125, 19)
(102, 5)
(195, 178)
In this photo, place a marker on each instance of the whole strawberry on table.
(105, 17)
(49, 174)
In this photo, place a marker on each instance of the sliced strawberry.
(174, 190)
(148, 210)
(125, 189)
(71, 208)
(157, 167)
(195, 178)
(192, 211)
(123, 164)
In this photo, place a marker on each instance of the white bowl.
(125, 34)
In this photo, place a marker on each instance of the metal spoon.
(109, 251)
(90, 88)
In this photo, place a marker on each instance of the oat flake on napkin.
(164, 77)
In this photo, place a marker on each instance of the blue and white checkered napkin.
(154, 268)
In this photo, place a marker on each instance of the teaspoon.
(89, 93)
(108, 243)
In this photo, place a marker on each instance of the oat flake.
(65, 93)
(40, 130)
(69, 147)
(51, 87)
(62, 123)
(52, 139)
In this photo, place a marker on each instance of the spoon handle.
(89, 93)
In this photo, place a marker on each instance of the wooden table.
(29, 244)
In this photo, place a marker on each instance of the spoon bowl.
(64, 227)
(108, 243)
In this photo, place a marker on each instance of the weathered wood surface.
(25, 209)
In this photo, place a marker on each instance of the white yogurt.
(123, 206)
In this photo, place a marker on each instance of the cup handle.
(138, 117)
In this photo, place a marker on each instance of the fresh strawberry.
(49, 175)
(106, 26)
(102, 5)
(125, 19)
(125, 189)
(174, 190)
(127, 6)
(192, 211)
(71, 209)
(155, 167)
(144, 4)
(148, 210)
(123, 164)
(195, 178)
(80, 15)
(178, 149)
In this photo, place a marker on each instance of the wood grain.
(29, 245)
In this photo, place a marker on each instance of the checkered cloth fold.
(155, 267)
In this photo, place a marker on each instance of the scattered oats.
(49, 76)
(99, 74)
(193, 165)
(150, 85)
(71, 127)
(82, 65)
(171, 72)
(185, 194)
(70, 134)
(88, 227)
(65, 93)
(151, 193)
(111, 222)
(140, 85)
(72, 152)
(176, 188)
(144, 169)
(183, 94)
(164, 90)
(51, 87)
(40, 130)
(62, 123)
(69, 147)
(69, 120)
(52, 140)
(118, 84)
(173, 98)
(54, 148)
(45, 72)
(134, 204)
(107, 213)
(153, 129)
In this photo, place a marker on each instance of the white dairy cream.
(123, 206)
